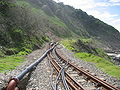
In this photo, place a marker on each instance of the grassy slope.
(10, 63)
(68, 43)
(57, 21)
(54, 19)
(100, 62)
(24, 42)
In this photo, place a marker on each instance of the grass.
(31, 8)
(7, 3)
(68, 44)
(86, 40)
(23, 3)
(101, 63)
(10, 63)
(57, 21)
(36, 10)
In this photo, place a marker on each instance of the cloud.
(83, 4)
(86, 4)
(116, 23)
(114, 1)
(89, 4)
(102, 15)
(117, 20)
(106, 4)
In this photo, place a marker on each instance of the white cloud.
(106, 4)
(88, 4)
(83, 4)
(114, 1)
(116, 23)
(102, 15)
(102, 4)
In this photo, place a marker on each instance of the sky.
(105, 10)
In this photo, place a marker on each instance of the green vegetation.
(57, 21)
(23, 3)
(1, 54)
(86, 40)
(25, 25)
(7, 3)
(68, 44)
(101, 63)
(38, 11)
(31, 8)
(102, 53)
(24, 44)
(24, 51)
(100, 59)
(10, 63)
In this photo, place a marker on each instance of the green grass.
(10, 63)
(68, 44)
(36, 10)
(101, 63)
(57, 21)
(86, 40)
(7, 3)
(1, 53)
(28, 5)
(23, 3)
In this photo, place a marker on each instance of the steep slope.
(81, 23)
(24, 26)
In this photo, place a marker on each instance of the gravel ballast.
(91, 67)
(39, 79)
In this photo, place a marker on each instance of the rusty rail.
(100, 82)
(72, 83)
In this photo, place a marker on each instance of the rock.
(0, 82)
(34, 58)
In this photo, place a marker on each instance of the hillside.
(26, 25)
(80, 23)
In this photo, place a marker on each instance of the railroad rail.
(12, 84)
(98, 82)
(72, 83)
(68, 75)
(82, 75)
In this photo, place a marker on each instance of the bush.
(22, 53)
(1, 54)
(68, 44)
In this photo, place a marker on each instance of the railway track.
(72, 83)
(65, 74)
(76, 77)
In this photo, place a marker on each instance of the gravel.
(91, 67)
(38, 79)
